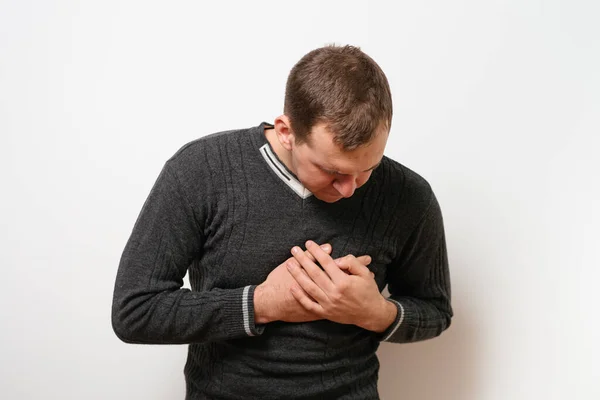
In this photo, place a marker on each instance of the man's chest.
(249, 239)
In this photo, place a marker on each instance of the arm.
(419, 283)
(149, 304)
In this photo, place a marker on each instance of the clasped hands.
(343, 291)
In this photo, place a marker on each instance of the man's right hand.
(273, 299)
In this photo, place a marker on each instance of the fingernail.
(309, 243)
(295, 250)
(325, 247)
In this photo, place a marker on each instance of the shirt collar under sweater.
(278, 167)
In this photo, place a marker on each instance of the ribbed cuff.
(237, 313)
(389, 332)
(248, 312)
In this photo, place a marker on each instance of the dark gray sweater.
(227, 211)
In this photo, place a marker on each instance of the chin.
(328, 198)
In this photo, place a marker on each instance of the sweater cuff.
(389, 332)
(250, 327)
(237, 313)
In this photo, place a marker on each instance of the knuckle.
(336, 296)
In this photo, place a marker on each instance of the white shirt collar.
(282, 172)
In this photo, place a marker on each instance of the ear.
(283, 128)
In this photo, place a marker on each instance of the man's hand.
(273, 299)
(344, 292)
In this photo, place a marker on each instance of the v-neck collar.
(282, 172)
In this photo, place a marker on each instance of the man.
(289, 232)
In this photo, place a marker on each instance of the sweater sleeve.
(149, 303)
(419, 282)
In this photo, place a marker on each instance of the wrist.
(261, 309)
(384, 316)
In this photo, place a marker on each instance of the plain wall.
(497, 105)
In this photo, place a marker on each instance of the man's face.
(331, 173)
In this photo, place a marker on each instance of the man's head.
(337, 116)
(343, 88)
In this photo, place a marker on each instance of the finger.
(342, 264)
(306, 302)
(319, 277)
(305, 281)
(353, 266)
(326, 248)
(334, 272)
(364, 260)
(301, 291)
(342, 267)
(347, 272)
(294, 262)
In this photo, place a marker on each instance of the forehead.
(324, 151)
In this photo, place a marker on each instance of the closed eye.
(333, 172)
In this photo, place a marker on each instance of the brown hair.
(342, 87)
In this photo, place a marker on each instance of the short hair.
(343, 88)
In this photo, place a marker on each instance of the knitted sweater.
(227, 211)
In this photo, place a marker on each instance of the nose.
(346, 186)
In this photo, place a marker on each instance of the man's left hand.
(343, 292)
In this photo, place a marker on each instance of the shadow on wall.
(440, 368)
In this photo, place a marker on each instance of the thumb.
(364, 260)
(354, 265)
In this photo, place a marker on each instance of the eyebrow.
(366, 170)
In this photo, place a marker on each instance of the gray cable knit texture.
(223, 212)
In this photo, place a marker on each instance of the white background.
(497, 105)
